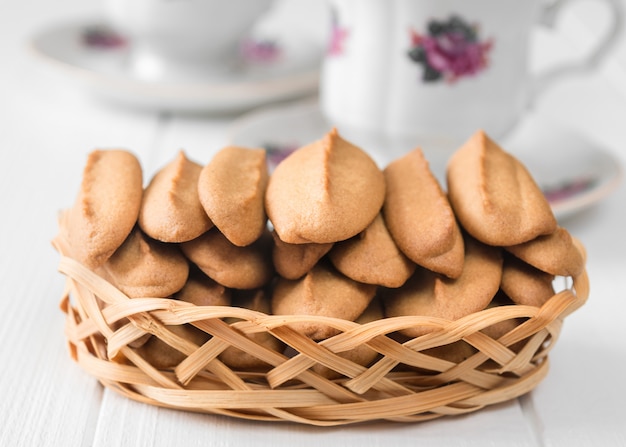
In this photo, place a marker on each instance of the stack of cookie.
(328, 234)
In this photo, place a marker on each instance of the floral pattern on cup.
(451, 49)
(568, 189)
(260, 50)
(277, 152)
(102, 37)
(338, 35)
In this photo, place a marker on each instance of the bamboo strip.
(236, 399)
(338, 393)
(395, 406)
(317, 353)
(195, 362)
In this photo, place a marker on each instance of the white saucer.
(573, 172)
(103, 68)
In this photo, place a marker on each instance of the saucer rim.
(215, 94)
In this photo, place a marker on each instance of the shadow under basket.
(405, 382)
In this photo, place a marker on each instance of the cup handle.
(589, 62)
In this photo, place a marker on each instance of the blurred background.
(50, 84)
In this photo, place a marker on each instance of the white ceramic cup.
(172, 39)
(401, 72)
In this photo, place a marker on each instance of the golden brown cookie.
(323, 292)
(257, 300)
(430, 294)
(372, 257)
(325, 192)
(232, 266)
(455, 352)
(232, 191)
(555, 253)
(106, 208)
(293, 261)
(525, 284)
(170, 209)
(419, 216)
(203, 291)
(494, 197)
(143, 267)
(363, 354)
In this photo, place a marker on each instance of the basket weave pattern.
(403, 384)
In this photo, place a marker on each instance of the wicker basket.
(405, 383)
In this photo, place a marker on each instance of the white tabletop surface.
(49, 124)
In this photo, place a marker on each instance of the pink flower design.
(338, 35)
(450, 50)
(568, 189)
(101, 37)
(265, 51)
(276, 152)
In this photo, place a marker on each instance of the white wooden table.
(47, 126)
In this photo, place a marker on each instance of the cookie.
(201, 290)
(555, 253)
(321, 292)
(455, 352)
(257, 300)
(246, 267)
(419, 216)
(525, 284)
(372, 257)
(293, 261)
(493, 195)
(143, 267)
(325, 192)
(170, 209)
(232, 191)
(106, 208)
(430, 294)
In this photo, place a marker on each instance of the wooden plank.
(127, 423)
(581, 402)
(45, 397)
(48, 128)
